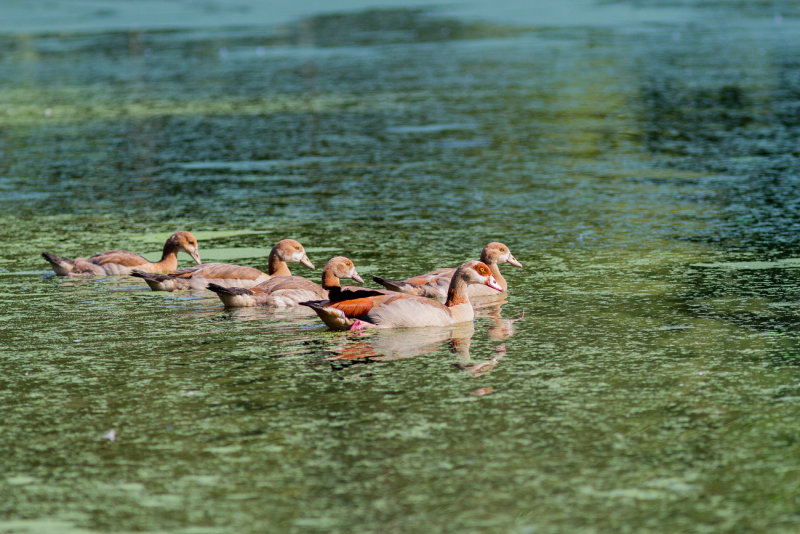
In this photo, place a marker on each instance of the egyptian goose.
(396, 310)
(436, 283)
(123, 262)
(285, 291)
(227, 274)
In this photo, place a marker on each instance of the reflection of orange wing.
(354, 307)
(354, 351)
(118, 257)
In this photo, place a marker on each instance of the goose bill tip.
(491, 282)
(305, 261)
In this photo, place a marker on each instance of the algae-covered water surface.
(640, 160)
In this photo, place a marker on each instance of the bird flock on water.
(413, 302)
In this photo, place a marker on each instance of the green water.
(643, 169)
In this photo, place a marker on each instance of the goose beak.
(491, 282)
(357, 278)
(513, 261)
(195, 255)
(305, 261)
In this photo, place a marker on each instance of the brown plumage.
(117, 262)
(435, 283)
(227, 274)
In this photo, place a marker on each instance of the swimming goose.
(122, 261)
(396, 310)
(436, 283)
(227, 274)
(284, 291)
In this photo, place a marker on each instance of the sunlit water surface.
(641, 375)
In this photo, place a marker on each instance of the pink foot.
(358, 324)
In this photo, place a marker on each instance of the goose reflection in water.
(383, 345)
(500, 329)
(395, 344)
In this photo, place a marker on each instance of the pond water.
(640, 161)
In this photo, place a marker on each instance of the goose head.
(496, 252)
(477, 272)
(291, 250)
(186, 242)
(341, 267)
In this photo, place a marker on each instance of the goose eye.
(502, 249)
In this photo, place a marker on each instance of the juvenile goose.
(396, 310)
(285, 291)
(436, 283)
(227, 274)
(122, 261)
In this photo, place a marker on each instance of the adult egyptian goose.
(227, 274)
(123, 262)
(436, 283)
(396, 310)
(284, 291)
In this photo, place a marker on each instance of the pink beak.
(512, 260)
(491, 282)
(305, 261)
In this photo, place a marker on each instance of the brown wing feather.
(441, 271)
(420, 280)
(119, 257)
(288, 285)
(431, 277)
(288, 282)
(218, 270)
(241, 272)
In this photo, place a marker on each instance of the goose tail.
(334, 318)
(233, 297)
